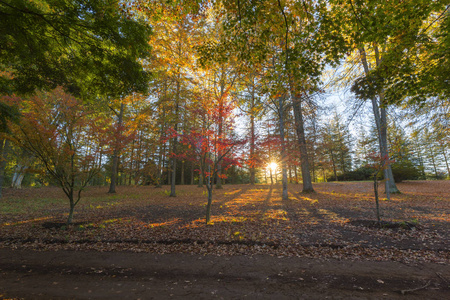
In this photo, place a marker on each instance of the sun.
(273, 166)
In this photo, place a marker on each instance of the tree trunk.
(182, 173)
(131, 163)
(18, 176)
(3, 146)
(430, 149)
(174, 158)
(209, 185)
(284, 195)
(200, 178)
(265, 175)
(289, 171)
(252, 149)
(334, 165)
(375, 189)
(252, 137)
(192, 173)
(446, 161)
(381, 123)
(300, 129)
(72, 206)
(220, 131)
(115, 159)
(295, 173)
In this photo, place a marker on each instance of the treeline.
(198, 92)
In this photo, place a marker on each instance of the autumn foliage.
(66, 137)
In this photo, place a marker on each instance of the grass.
(33, 204)
(24, 206)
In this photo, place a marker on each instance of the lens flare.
(273, 166)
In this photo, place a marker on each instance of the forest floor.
(143, 244)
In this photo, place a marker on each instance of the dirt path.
(122, 275)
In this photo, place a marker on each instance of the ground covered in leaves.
(335, 222)
(335, 225)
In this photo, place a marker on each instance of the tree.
(292, 32)
(415, 47)
(369, 31)
(403, 167)
(212, 145)
(65, 136)
(251, 104)
(336, 146)
(116, 148)
(82, 45)
(8, 114)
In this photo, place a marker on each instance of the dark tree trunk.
(174, 149)
(71, 209)
(281, 108)
(182, 173)
(300, 129)
(209, 187)
(3, 146)
(115, 158)
(192, 173)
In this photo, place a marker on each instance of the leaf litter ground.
(334, 224)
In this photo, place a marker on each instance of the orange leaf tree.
(66, 137)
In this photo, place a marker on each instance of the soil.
(27, 274)
(142, 244)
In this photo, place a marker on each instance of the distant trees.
(226, 71)
(335, 145)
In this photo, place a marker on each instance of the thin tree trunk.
(72, 207)
(192, 173)
(182, 173)
(131, 163)
(265, 175)
(252, 149)
(200, 177)
(175, 141)
(284, 195)
(209, 187)
(375, 188)
(115, 160)
(334, 165)
(220, 131)
(446, 161)
(252, 137)
(430, 149)
(3, 146)
(295, 173)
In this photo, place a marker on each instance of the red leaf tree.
(215, 148)
(66, 137)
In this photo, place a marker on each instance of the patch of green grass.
(23, 206)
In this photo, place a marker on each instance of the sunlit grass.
(233, 192)
(166, 223)
(276, 214)
(26, 221)
(235, 204)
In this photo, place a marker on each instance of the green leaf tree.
(89, 47)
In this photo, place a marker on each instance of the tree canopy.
(86, 46)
